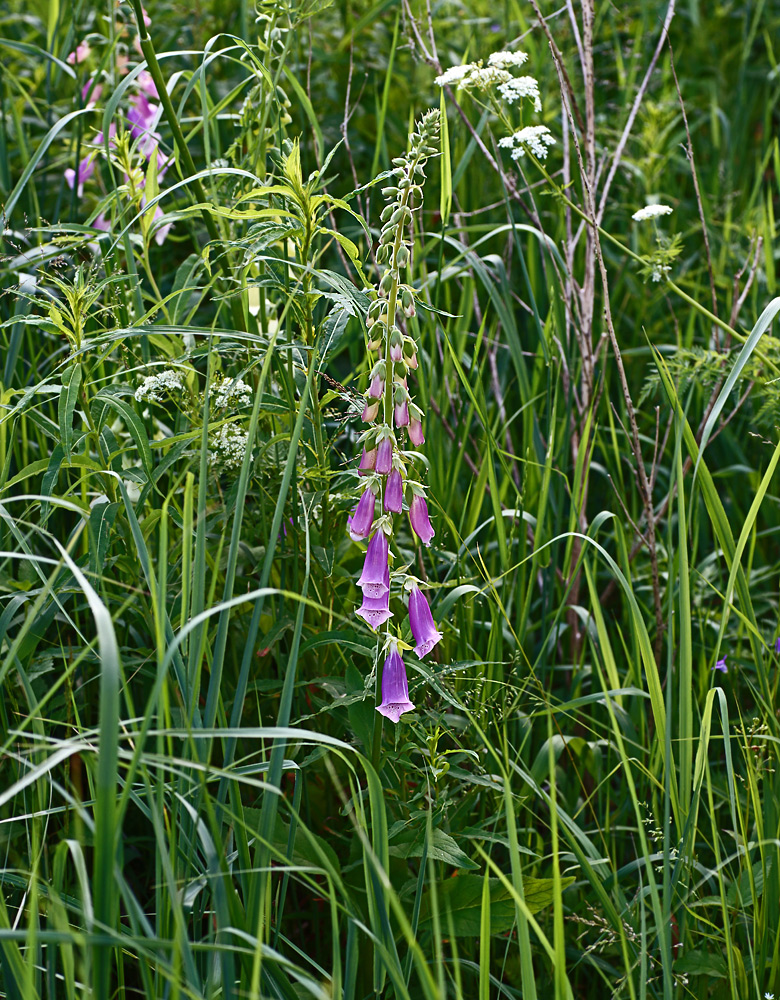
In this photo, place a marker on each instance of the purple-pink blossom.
(376, 610)
(402, 414)
(721, 666)
(367, 462)
(394, 493)
(384, 456)
(395, 688)
(420, 521)
(416, 433)
(377, 387)
(375, 567)
(359, 525)
(425, 633)
(81, 53)
(86, 169)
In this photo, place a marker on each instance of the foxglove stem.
(394, 493)
(375, 568)
(395, 688)
(418, 516)
(421, 623)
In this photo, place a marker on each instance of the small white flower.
(651, 212)
(519, 87)
(503, 60)
(659, 271)
(454, 74)
(484, 78)
(769, 996)
(230, 390)
(535, 137)
(228, 446)
(154, 387)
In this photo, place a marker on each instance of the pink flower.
(395, 688)
(394, 493)
(370, 411)
(81, 53)
(141, 115)
(85, 170)
(416, 433)
(367, 462)
(384, 456)
(421, 623)
(146, 83)
(359, 525)
(94, 96)
(376, 610)
(161, 233)
(375, 568)
(377, 387)
(402, 414)
(418, 516)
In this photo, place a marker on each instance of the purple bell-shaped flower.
(367, 462)
(421, 622)
(416, 433)
(384, 456)
(376, 610)
(359, 525)
(418, 516)
(394, 493)
(375, 571)
(395, 688)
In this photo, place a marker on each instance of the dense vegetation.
(517, 261)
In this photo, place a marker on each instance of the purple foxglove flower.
(370, 411)
(394, 493)
(384, 456)
(367, 462)
(85, 171)
(377, 387)
(101, 222)
(421, 622)
(416, 433)
(721, 665)
(141, 115)
(375, 568)
(402, 414)
(421, 523)
(96, 89)
(81, 53)
(376, 610)
(395, 688)
(147, 84)
(359, 525)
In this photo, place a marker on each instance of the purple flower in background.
(384, 456)
(421, 622)
(402, 414)
(721, 665)
(777, 644)
(394, 493)
(141, 115)
(146, 83)
(418, 516)
(416, 433)
(359, 525)
(161, 234)
(395, 688)
(85, 171)
(94, 97)
(375, 568)
(367, 462)
(376, 610)
(81, 53)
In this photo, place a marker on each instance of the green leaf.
(702, 963)
(441, 847)
(71, 383)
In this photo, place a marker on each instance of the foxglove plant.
(390, 410)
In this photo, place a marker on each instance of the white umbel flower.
(485, 78)
(504, 60)
(651, 212)
(228, 446)
(535, 138)
(454, 74)
(231, 390)
(155, 387)
(520, 87)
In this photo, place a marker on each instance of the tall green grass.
(196, 800)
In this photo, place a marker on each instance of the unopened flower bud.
(370, 411)
(402, 257)
(384, 456)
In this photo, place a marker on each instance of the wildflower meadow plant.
(391, 411)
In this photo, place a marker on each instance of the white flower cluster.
(228, 446)
(535, 138)
(506, 59)
(659, 272)
(518, 87)
(155, 387)
(651, 212)
(231, 390)
(455, 74)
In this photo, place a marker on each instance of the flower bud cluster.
(391, 412)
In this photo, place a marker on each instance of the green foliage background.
(197, 798)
